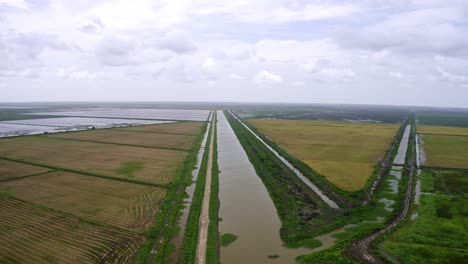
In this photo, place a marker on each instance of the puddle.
(388, 204)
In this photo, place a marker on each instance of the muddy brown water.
(246, 208)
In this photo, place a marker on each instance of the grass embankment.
(438, 234)
(213, 243)
(301, 211)
(344, 153)
(189, 245)
(444, 146)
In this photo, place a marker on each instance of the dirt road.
(205, 213)
(359, 250)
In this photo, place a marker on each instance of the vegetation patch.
(130, 167)
(310, 243)
(344, 153)
(438, 234)
(227, 239)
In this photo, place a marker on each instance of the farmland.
(10, 169)
(344, 153)
(96, 196)
(184, 128)
(182, 142)
(157, 165)
(126, 205)
(32, 235)
(444, 146)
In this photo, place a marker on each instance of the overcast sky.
(317, 51)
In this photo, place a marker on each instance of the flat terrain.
(443, 130)
(189, 128)
(438, 234)
(444, 146)
(344, 153)
(10, 169)
(126, 205)
(132, 138)
(30, 235)
(147, 164)
(88, 196)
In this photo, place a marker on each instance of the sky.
(390, 52)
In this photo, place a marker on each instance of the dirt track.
(205, 213)
(359, 250)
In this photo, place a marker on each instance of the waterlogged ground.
(160, 114)
(61, 124)
(246, 209)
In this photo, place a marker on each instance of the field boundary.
(111, 143)
(168, 186)
(27, 176)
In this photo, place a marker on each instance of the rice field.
(154, 165)
(10, 170)
(344, 153)
(132, 138)
(32, 236)
(443, 146)
(445, 150)
(442, 130)
(183, 128)
(131, 206)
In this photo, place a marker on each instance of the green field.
(344, 153)
(438, 234)
(444, 146)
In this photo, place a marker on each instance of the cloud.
(266, 77)
(177, 41)
(262, 11)
(209, 63)
(236, 77)
(92, 26)
(451, 77)
(438, 30)
(21, 4)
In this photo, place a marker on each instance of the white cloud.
(21, 4)
(209, 63)
(236, 77)
(266, 77)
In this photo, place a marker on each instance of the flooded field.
(61, 124)
(157, 114)
(246, 209)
